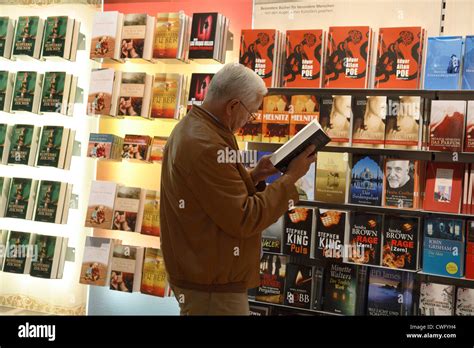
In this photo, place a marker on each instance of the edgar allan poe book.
(402, 129)
(303, 109)
(203, 35)
(364, 238)
(303, 58)
(400, 247)
(366, 180)
(335, 118)
(346, 57)
(390, 293)
(298, 285)
(399, 58)
(401, 183)
(276, 119)
(272, 278)
(299, 226)
(369, 115)
(447, 125)
(331, 226)
(256, 52)
(443, 247)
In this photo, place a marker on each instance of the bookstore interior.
(90, 92)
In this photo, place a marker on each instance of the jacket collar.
(202, 113)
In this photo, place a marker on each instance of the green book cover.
(45, 247)
(2, 182)
(25, 36)
(3, 87)
(53, 91)
(3, 34)
(24, 92)
(18, 198)
(50, 146)
(20, 145)
(3, 136)
(55, 36)
(17, 252)
(47, 201)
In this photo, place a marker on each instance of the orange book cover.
(303, 109)
(303, 58)
(399, 58)
(252, 130)
(346, 57)
(276, 119)
(256, 52)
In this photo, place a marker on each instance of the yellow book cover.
(154, 273)
(276, 119)
(151, 214)
(303, 109)
(331, 177)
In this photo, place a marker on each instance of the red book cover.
(444, 187)
(447, 125)
(303, 109)
(470, 250)
(399, 53)
(303, 58)
(469, 134)
(256, 52)
(276, 119)
(346, 57)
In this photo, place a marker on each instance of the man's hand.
(299, 166)
(263, 170)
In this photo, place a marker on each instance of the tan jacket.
(211, 214)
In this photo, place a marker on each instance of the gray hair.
(235, 81)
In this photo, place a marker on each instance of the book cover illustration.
(167, 34)
(157, 148)
(53, 92)
(447, 125)
(272, 237)
(133, 35)
(165, 94)
(340, 289)
(276, 119)
(154, 273)
(42, 267)
(132, 91)
(99, 100)
(465, 301)
(198, 88)
(469, 134)
(203, 35)
(366, 180)
(24, 91)
(55, 36)
(398, 58)
(331, 226)
(122, 274)
(303, 58)
(126, 208)
(390, 293)
(25, 35)
(298, 285)
(400, 242)
(337, 123)
(402, 128)
(303, 109)
(368, 129)
(331, 177)
(298, 232)
(104, 31)
(18, 198)
(101, 204)
(272, 278)
(18, 250)
(401, 183)
(95, 263)
(436, 299)
(100, 145)
(48, 201)
(364, 239)
(20, 146)
(151, 214)
(346, 57)
(468, 68)
(256, 52)
(50, 146)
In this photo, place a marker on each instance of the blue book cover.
(468, 68)
(366, 180)
(443, 62)
(443, 247)
(272, 178)
(390, 292)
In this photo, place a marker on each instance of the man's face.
(241, 114)
(397, 173)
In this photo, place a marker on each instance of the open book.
(312, 133)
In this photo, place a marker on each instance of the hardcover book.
(166, 91)
(101, 92)
(204, 33)
(303, 63)
(332, 171)
(51, 201)
(468, 64)
(19, 252)
(7, 31)
(402, 129)
(331, 227)
(101, 204)
(298, 232)
(364, 239)
(55, 92)
(23, 145)
(340, 289)
(127, 208)
(447, 125)
(276, 119)
(26, 94)
(21, 199)
(337, 122)
(28, 36)
(465, 301)
(57, 37)
(347, 62)
(50, 252)
(126, 268)
(154, 274)
(366, 180)
(151, 214)
(106, 31)
(303, 109)
(272, 278)
(131, 100)
(272, 237)
(137, 36)
(368, 127)
(443, 247)
(157, 148)
(96, 261)
(6, 89)
(198, 88)
(402, 183)
(298, 286)
(53, 146)
(436, 299)
(400, 247)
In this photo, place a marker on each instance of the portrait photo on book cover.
(400, 175)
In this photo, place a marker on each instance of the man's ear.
(231, 105)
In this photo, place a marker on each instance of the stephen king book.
(447, 125)
(332, 170)
(399, 57)
(436, 299)
(298, 232)
(363, 239)
(403, 126)
(21, 199)
(303, 64)
(272, 237)
(331, 227)
(272, 278)
(50, 202)
(366, 180)
(390, 293)
(28, 36)
(400, 240)
(276, 119)
(203, 35)
(198, 88)
(19, 252)
(465, 301)
(335, 119)
(402, 183)
(443, 247)
(257, 52)
(298, 286)
(369, 115)
(443, 190)
(154, 274)
(469, 134)
(303, 109)
(347, 62)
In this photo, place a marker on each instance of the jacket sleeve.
(222, 193)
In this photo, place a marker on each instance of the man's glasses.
(252, 115)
